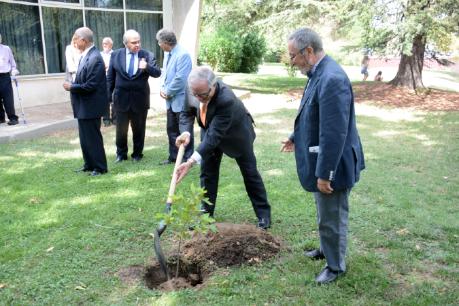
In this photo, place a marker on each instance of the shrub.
(221, 49)
(273, 56)
(291, 70)
(253, 50)
(231, 50)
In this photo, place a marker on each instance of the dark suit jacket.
(327, 144)
(130, 92)
(228, 124)
(89, 92)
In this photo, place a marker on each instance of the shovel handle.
(178, 162)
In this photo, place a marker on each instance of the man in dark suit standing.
(327, 146)
(127, 82)
(226, 127)
(89, 101)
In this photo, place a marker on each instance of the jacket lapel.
(123, 63)
(309, 90)
(83, 63)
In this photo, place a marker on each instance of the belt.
(4, 74)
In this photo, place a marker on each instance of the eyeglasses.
(292, 57)
(202, 95)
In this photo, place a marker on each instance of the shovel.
(162, 225)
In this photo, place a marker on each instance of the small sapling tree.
(185, 214)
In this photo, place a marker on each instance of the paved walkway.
(38, 121)
(45, 119)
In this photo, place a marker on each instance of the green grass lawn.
(64, 236)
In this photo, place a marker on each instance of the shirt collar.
(86, 51)
(314, 68)
(129, 52)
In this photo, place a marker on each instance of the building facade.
(38, 32)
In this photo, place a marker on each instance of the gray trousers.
(332, 218)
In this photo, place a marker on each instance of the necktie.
(131, 65)
(202, 112)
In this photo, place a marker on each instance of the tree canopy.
(405, 28)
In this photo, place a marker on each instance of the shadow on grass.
(62, 231)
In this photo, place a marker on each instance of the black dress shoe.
(137, 158)
(119, 159)
(13, 122)
(327, 276)
(166, 162)
(314, 254)
(207, 209)
(97, 172)
(264, 223)
(82, 169)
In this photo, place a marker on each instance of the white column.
(184, 18)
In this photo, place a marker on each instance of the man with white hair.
(107, 50)
(127, 83)
(226, 127)
(7, 70)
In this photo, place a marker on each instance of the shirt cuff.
(196, 157)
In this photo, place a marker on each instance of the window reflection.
(31, 1)
(24, 39)
(105, 24)
(154, 5)
(147, 25)
(21, 28)
(65, 1)
(104, 3)
(59, 25)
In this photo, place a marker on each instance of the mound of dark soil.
(232, 245)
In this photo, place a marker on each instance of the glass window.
(20, 29)
(65, 1)
(105, 24)
(147, 25)
(153, 5)
(104, 3)
(31, 1)
(59, 25)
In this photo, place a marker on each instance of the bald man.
(88, 94)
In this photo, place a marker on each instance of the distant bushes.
(231, 50)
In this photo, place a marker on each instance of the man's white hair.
(202, 73)
(129, 34)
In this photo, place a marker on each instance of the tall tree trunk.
(409, 72)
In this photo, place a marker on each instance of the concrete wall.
(182, 16)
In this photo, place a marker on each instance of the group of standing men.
(325, 140)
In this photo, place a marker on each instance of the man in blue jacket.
(89, 101)
(327, 146)
(176, 68)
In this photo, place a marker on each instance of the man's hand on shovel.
(183, 169)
